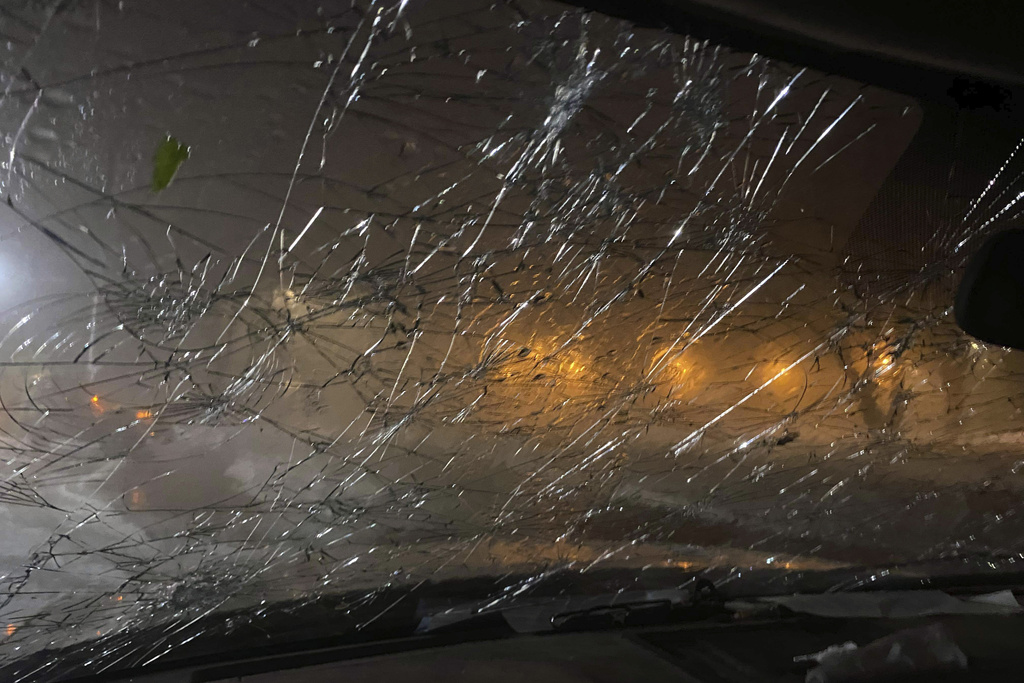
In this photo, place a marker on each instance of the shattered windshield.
(307, 298)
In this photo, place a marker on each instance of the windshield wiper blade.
(696, 602)
(643, 613)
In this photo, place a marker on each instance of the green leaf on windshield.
(169, 156)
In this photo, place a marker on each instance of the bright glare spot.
(95, 399)
(886, 360)
(674, 368)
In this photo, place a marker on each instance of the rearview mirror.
(990, 301)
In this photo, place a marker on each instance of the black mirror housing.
(990, 301)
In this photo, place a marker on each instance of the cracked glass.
(304, 302)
